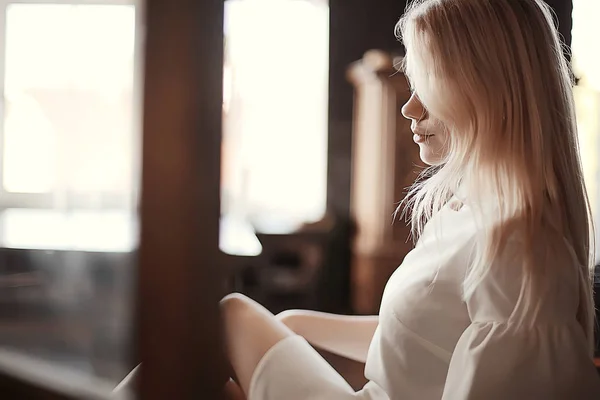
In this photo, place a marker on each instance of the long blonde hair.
(494, 72)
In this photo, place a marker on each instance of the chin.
(430, 158)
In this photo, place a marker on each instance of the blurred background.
(315, 158)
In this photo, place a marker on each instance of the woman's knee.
(240, 311)
(234, 298)
(235, 303)
(250, 331)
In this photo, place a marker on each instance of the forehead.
(410, 67)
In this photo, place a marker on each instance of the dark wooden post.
(179, 275)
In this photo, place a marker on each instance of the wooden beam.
(179, 272)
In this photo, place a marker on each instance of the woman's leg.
(250, 331)
(233, 391)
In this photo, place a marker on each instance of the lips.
(423, 134)
(420, 138)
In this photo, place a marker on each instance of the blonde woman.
(495, 300)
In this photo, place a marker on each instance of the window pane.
(68, 211)
(275, 114)
(67, 98)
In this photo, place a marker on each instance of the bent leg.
(250, 331)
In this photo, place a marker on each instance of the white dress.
(430, 344)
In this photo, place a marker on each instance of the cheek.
(439, 126)
(441, 145)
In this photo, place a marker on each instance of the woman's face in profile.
(428, 132)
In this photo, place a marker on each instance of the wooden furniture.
(384, 164)
(291, 269)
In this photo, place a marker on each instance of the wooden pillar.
(383, 166)
(179, 273)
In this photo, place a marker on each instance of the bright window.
(68, 124)
(69, 174)
(275, 112)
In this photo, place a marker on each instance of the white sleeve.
(497, 361)
(546, 358)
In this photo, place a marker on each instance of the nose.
(414, 109)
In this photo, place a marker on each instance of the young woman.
(495, 300)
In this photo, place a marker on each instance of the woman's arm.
(344, 335)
